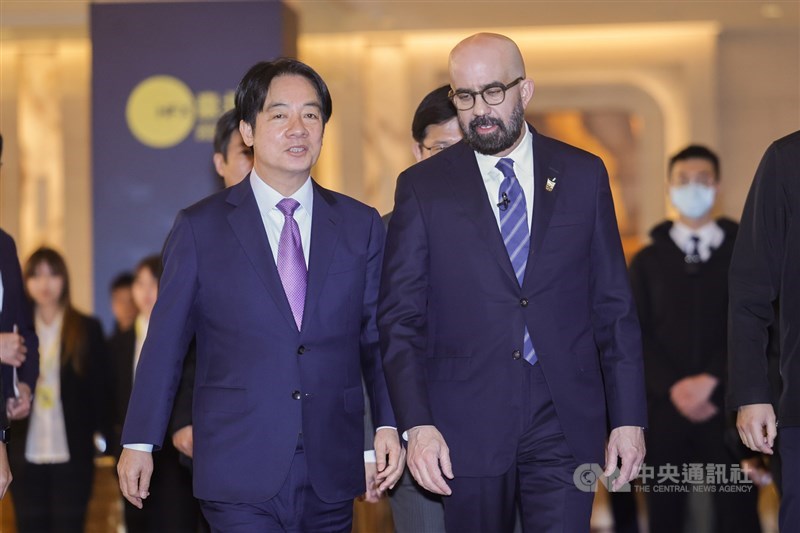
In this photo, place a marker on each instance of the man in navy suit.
(278, 279)
(509, 335)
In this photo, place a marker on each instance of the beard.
(502, 139)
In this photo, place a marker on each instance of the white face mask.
(692, 200)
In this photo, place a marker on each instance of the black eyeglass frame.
(436, 148)
(496, 85)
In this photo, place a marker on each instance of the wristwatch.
(5, 435)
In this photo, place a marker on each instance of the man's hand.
(429, 458)
(12, 349)
(19, 408)
(183, 440)
(690, 396)
(135, 469)
(757, 427)
(390, 457)
(5, 471)
(372, 495)
(625, 443)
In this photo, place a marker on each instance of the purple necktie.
(291, 263)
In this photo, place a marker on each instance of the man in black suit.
(765, 270)
(680, 284)
(19, 347)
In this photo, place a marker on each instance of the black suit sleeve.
(16, 306)
(659, 373)
(754, 281)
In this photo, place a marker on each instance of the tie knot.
(506, 166)
(288, 206)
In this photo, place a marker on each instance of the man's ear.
(219, 163)
(526, 88)
(416, 149)
(246, 130)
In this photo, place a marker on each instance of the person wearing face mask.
(680, 283)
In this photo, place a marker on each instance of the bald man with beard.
(509, 335)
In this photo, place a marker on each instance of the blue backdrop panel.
(162, 73)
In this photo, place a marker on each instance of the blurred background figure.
(122, 305)
(680, 283)
(171, 506)
(54, 459)
(18, 342)
(233, 160)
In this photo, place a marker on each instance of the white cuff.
(369, 456)
(141, 447)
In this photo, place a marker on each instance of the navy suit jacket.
(16, 311)
(452, 313)
(259, 381)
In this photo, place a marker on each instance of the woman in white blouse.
(53, 463)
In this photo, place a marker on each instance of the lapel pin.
(550, 185)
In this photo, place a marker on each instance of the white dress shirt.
(267, 199)
(710, 237)
(47, 432)
(523, 169)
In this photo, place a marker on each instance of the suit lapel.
(467, 184)
(546, 168)
(324, 236)
(245, 220)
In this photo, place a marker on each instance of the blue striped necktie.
(514, 229)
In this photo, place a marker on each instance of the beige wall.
(758, 102)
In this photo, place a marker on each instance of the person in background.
(18, 344)
(54, 458)
(13, 348)
(122, 306)
(765, 290)
(680, 283)
(171, 506)
(233, 160)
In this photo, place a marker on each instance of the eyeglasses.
(436, 148)
(493, 94)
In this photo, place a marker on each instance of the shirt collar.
(522, 156)
(709, 234)
(267, 198)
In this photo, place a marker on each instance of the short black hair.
(227, 124)
(696, 151)
(435, 108)
(121, 281)
(252, 90)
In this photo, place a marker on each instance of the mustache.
(485, 121)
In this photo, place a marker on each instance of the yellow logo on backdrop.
(162, 111)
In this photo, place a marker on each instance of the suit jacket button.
(301, 350)
(516, 354)
(296, 395)
(523, 302)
